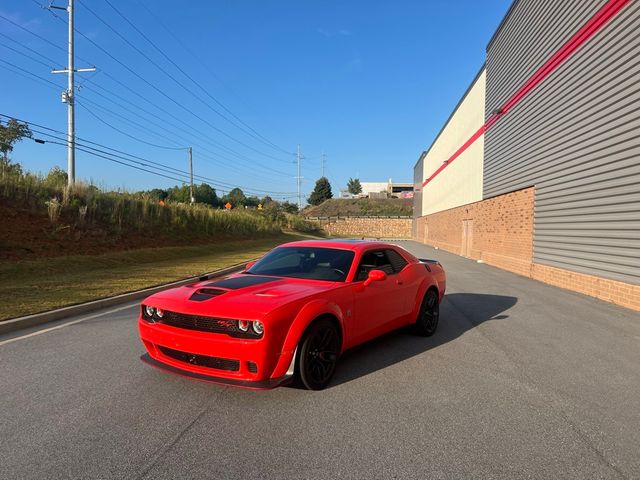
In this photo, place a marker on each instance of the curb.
(19, 323)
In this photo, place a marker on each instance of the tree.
(290, 207)
(354, 187)
(205, 193)
(11, 133)
(180, 194)
(56, 177)
(321, 192)
(158, 194)
(252, 201)
(235, 197)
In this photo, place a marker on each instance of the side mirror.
(249, 265)
(375, 276)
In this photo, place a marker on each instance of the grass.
(44, 284)
(350, 207)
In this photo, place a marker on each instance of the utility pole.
(191, 175)
(323, 157)
(299, 178)
(69, 96)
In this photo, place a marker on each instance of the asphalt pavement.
(522, 380)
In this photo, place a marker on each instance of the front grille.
(202, 360)
(205, 324)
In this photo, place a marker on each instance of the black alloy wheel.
(429, 314)
(318, 355)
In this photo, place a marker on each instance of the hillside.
(40, 220)
(354, 207)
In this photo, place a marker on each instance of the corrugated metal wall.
(576, 137)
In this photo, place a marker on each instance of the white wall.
(374, 187)
(459, 183)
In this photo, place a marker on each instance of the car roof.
(343, 244)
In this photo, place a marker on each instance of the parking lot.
(522, 380)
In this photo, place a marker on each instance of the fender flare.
(307, 314)
(425, 285)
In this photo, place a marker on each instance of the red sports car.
(291, 313)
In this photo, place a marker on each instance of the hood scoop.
(203, 294)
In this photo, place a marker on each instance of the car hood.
(237, 296)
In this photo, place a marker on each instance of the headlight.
(258, 327)
(159, 312)
(243, 325)
(149, 310)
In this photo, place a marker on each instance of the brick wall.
(500, 230)
(501, 234)
(620, 293)
(376, 227)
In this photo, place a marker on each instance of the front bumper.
(256, 384)
(215, 357)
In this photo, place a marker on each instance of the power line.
(29, 76)
(217, 129)
(230, 164)
(170, 170)
(36, 78)
(249, 162)
(54, 62)
(33, 33)
(205, 138)
(125, 156)
(204, 64)
(97, 105)
(191, 131)
(48, 83)
(104, 122)
(32, 74)
(251, 132)
(116, 161)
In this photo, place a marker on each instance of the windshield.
(313, 263)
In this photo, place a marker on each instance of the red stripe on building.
(595, 23)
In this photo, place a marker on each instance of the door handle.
(399, 282)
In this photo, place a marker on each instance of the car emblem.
(192, 359)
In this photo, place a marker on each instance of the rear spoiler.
(427, 262)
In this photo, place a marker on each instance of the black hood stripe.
(241, 282)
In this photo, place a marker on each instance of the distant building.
(386, 189)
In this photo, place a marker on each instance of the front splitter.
(257, 385)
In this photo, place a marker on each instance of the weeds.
(54, 207)
(85, 205)
(82, 214)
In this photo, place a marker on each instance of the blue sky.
(370, 82)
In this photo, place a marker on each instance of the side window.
(396, 260)
(373, 260)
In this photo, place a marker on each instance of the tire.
(428, 316)
(318, 355)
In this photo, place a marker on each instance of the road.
(522, 380)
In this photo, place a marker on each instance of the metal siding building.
(558, 195)
(575, 137)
